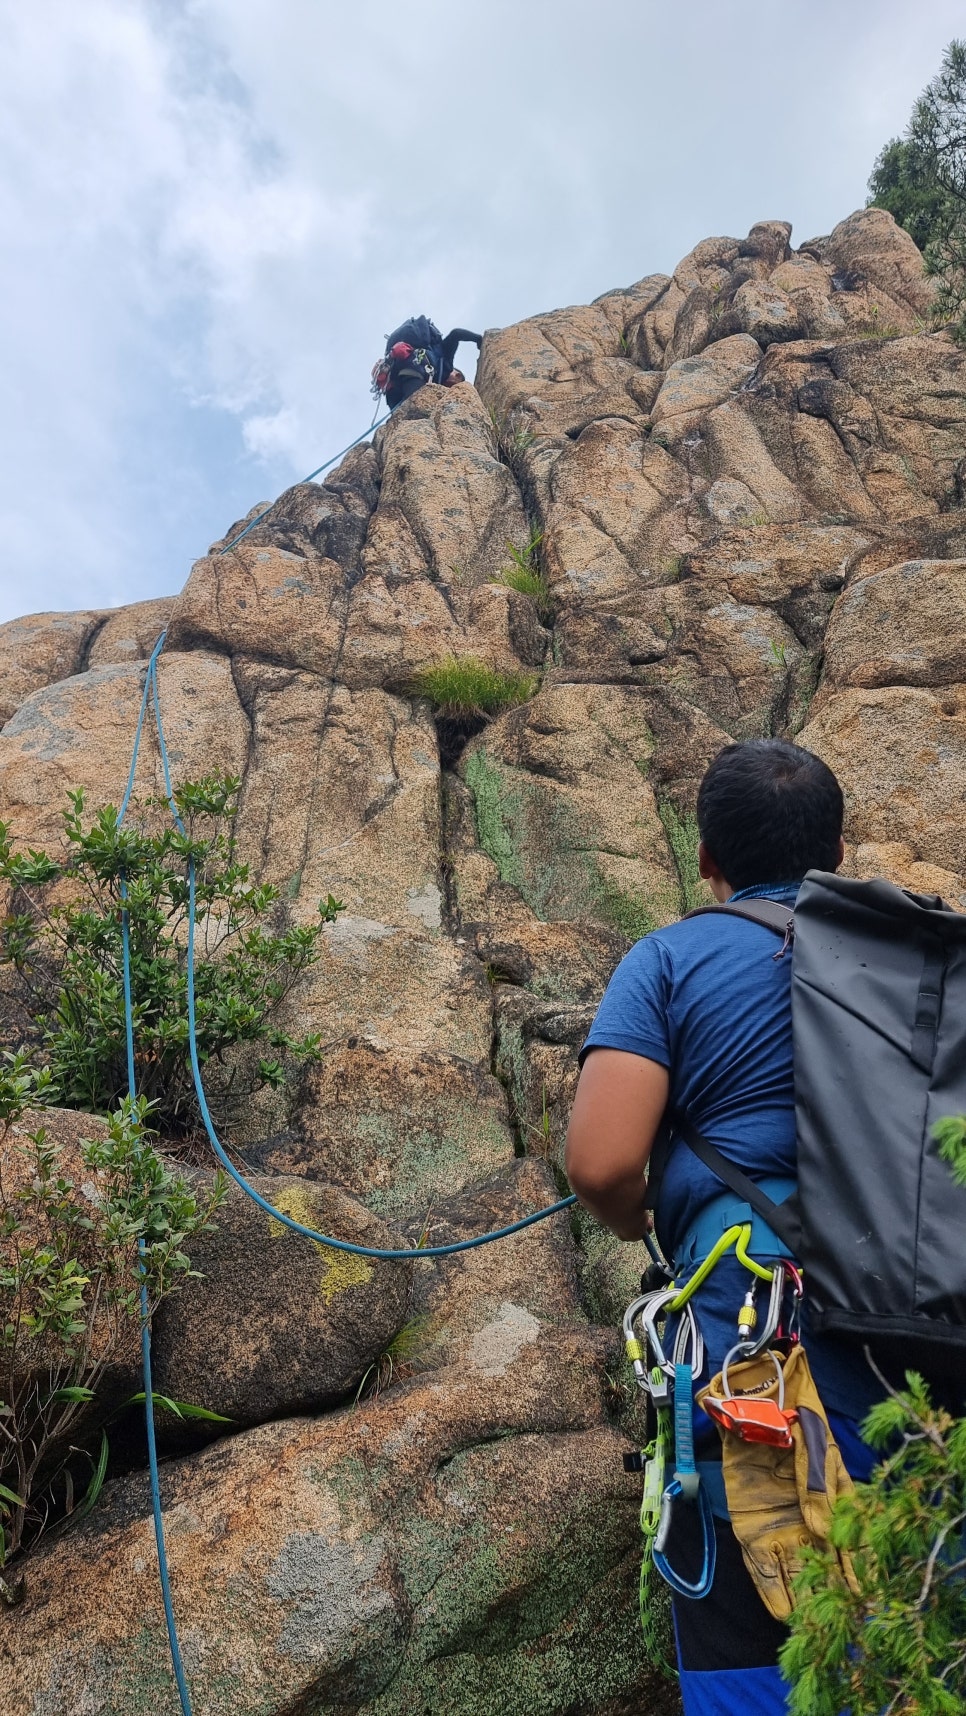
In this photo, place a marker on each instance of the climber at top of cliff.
(416, 353)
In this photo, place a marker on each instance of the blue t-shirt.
(708, 999)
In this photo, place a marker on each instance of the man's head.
(767, 812)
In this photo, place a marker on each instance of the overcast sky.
(213, 210)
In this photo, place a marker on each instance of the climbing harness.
(668, 1383)
(151, 694)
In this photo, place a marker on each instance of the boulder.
(565, 810)
(870, 244)
(905, 625)
(398, 1131)
(276, 1323)
(693, 385)
(612, 512)
(129, 634)
(38, 651)
(900, 753)
(766, 313)
(79, 732)
(465, 1541)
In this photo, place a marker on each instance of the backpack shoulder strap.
(781, 1218)
(771, 914)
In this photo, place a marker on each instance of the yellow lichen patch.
(342, 1269)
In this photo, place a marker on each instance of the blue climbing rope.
(151, 692)
(309, 479)
(385, 1253)
(175, 1648)
(382, 1252)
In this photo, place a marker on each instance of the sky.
(214, 210)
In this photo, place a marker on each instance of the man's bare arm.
(615, 1118)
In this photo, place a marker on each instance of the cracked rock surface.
(748, 482)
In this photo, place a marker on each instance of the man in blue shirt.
(697, 1020)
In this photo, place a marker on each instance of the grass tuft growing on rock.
(465, 687)
(525, 574)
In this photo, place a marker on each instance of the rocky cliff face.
(749, 483)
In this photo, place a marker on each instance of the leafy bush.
(70, 1289)
(464, 687)
(900, 1646)
(63, 938)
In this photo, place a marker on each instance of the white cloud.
(214, 210)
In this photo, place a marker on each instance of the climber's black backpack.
(879, 1023)
(427, 354)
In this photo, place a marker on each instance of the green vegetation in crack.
(539, 847)
(464, 688)
(525, 574)
(683, 838)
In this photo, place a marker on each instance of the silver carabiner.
(689, 1336)
(687, 1340)
(739, 1348)
(771, 1319)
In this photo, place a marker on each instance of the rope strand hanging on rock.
(385, 1254)
(309, 479)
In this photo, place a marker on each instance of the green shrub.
(63, 939)
(465, 687)
(70, 1287)
(899, 1645)
(896, 1645)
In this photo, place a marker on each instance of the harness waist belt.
(729, 1210)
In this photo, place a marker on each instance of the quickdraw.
(669, 1384)
(653, 1461)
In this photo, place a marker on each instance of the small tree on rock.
(62, 939)
(921, 179)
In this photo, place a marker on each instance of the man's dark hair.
(768, 811)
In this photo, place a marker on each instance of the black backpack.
(427, 357)
(879, 1024)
